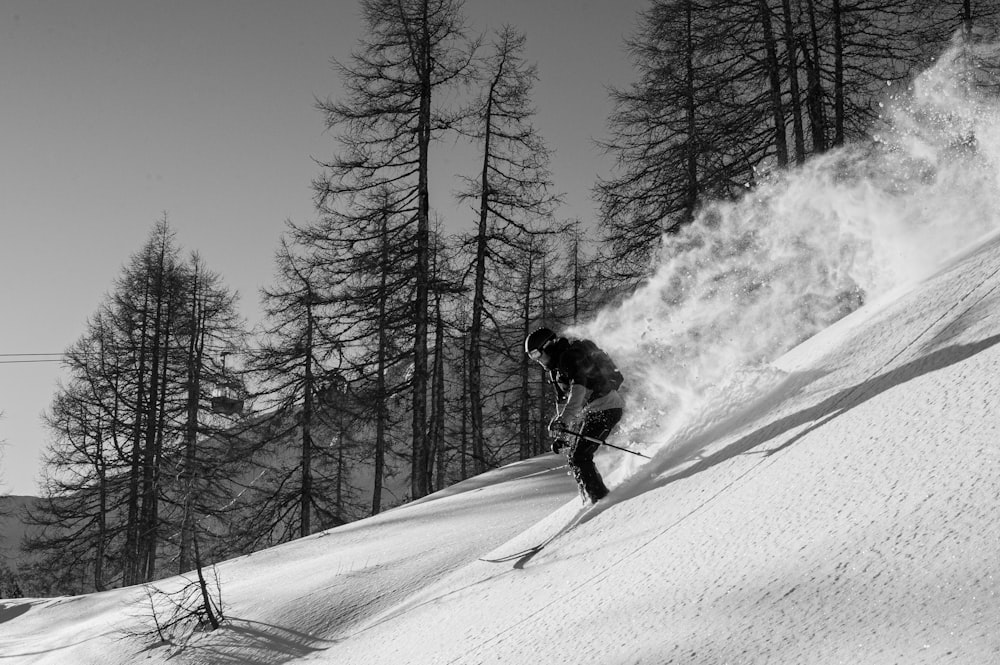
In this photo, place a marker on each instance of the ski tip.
(530, 552)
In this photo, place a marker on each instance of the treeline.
(727, 92)
(127, 423)
(389, 364)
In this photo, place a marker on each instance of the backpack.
(602, 375)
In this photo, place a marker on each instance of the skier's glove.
(558, 445)
(557, 426)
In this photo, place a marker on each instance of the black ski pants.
(596, 425)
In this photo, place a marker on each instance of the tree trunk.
(437, 400)
(693, 142)
(102, 511)
(132, 528)
(478, 298)
(793, 83)
(530, 432)
(838, 74)
(382, 413)
(195, 356)
(161, 428)
(774, 79)
(465, 409)
(306, 498)
(418, 485)
(147, 508)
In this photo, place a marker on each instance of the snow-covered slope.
(293, 597)
(845, 514)
(837, 507)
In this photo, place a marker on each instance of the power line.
(13, 358)
(40, 360)
(18, 355)
(30, 358)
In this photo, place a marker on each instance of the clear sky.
(114, 113)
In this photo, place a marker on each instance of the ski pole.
(603, 443)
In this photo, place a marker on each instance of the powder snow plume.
(750, 279)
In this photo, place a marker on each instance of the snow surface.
(841, 509)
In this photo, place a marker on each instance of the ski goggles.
(536, 354)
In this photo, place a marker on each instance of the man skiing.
(586, 382)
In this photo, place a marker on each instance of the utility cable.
(22, 358)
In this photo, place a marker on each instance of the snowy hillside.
(841, 509)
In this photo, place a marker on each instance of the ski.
(522, 557)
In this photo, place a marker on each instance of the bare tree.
(512, 193)
(114, 496)
(728, 93)
(387, 123)
(298, 367)
(173, 615)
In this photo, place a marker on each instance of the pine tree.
(360, 260)
(728, 94)
(513, 199)
(209, 455)
(127, 418)
(298, 366)
(386, 124)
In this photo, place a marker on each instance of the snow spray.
(750, 279)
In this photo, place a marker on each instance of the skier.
(586, 383)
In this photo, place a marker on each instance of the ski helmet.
(536, 342)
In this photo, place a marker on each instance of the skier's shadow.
(837, 405)
(9, 611)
